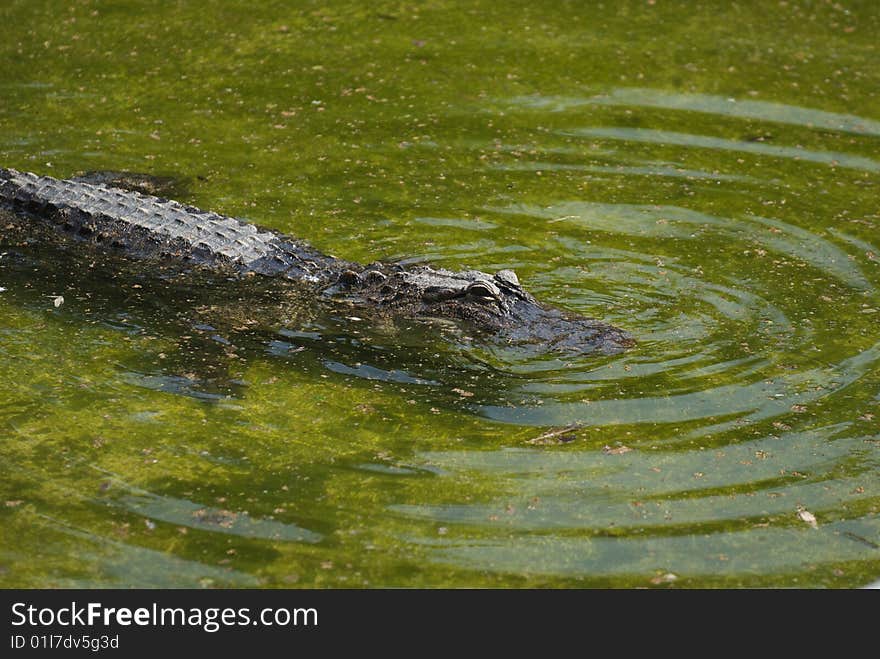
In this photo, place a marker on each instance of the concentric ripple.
(721, 327)
(747, 409)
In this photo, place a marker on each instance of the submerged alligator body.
(144, 226)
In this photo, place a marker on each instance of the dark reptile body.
(146, 226)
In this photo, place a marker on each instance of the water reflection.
(745, 554)
(706, 103)
(751, 394)
(117, 564)
(667, 137)
(694, 512)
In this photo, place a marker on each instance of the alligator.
(140, 225)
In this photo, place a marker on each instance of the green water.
(702, 175)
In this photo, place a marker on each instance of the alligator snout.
(499, 306)
(552, 330)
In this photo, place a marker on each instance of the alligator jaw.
(552, 330)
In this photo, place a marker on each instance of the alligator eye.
(507, 277)
(349, 278)
(482, 293)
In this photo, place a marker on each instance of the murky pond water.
(706, 178)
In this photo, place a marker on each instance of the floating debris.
(807, 517)
(561, 435)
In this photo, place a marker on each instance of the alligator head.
(495, 304)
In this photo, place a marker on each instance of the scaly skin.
(149, 227)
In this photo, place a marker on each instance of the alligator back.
(152, 227)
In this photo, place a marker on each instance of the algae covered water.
(704, 176)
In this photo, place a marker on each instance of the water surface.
(705, 178)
